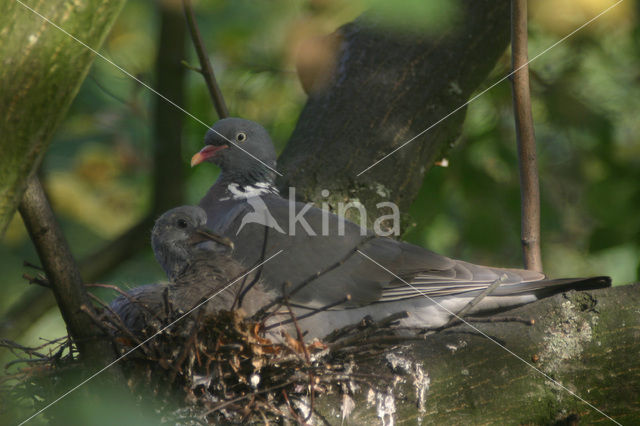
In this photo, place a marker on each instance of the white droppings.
(421, 382)
(304, 407)
(32, 39)
(382, 190)
(399, 363)
(453, 348)
(255, 380)
(386, 407)
(347, 406)
(371, 397)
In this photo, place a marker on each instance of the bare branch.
(62, 272)
(487, 291)
(205, 66)
(530, 190)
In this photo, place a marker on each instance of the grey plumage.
(198, 264)
(373, 290)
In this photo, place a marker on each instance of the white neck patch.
(242, 192)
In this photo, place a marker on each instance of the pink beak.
(205, 153)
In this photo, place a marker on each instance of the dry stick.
(295, 415)
(117, 322)
(310, 313)
(62, 273)
(205, 65)
(223, 404)
(279, 301)
(42, 282)
(367, 331)
(530, 189)
(487, 291)
(525, 321)
(243, 291)
(127, 296)
(307, 358)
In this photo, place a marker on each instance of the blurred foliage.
(586, 101)
(585, 104)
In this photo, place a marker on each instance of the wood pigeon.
(198, 264)
(314, 240)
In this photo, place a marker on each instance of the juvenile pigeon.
(198, 265)
(245, 188)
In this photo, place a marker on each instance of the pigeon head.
(180, 237)
(243, 150)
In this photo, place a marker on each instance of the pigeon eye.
(241, 137)
(182, 223)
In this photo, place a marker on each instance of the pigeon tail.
(561, 285)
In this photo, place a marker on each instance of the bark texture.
(62, 273)
(386, 89)
(586, 341)
(41, 70)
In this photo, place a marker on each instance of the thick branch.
(386, 89)
(205, 65)
(62, 272)
(587, 341)
(529, 186)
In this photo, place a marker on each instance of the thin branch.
(205, 66)
(310, 313)
(243, 291)
(62, 272)
(43, 282)
(363, 335)
(487, 291)
(530, 189)
(264, 313)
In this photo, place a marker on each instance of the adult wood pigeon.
(198, 265)
(245, 188)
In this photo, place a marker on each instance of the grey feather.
(198, 264)
(303, 255)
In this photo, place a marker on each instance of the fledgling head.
(179, 237)
(243, 149)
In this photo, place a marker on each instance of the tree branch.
(530, 189)
(62, 272)
(205, 65)
(577, 340)
(386, 89)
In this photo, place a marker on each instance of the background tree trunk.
(41, 71)
(387, 89)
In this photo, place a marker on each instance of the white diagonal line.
(493, 340)
(492, 86)
(146, 85)
(145, 341)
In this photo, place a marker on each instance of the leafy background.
(586, 99)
